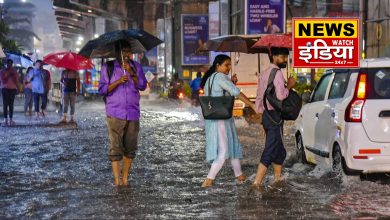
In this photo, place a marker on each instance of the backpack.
(110, 72)
(289, 108)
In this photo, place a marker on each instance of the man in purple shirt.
(123, 112)
(274, 152)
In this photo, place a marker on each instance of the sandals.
(241, 178)
(207, 183)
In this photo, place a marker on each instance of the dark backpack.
(110, 72)
(289, 108)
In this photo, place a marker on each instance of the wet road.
(63, 172)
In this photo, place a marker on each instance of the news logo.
(326, 42)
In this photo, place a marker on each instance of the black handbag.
(289, 108)
(216, 108)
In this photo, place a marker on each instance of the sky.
(45, 26)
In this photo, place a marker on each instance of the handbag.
(289, 108)
(216, 108)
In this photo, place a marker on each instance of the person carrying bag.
(271, 89)
(221, 135)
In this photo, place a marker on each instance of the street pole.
(165, 48)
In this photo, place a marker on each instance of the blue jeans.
(28, 99)
(37, 98)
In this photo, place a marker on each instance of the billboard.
(148, 60)
(195, 33)
(326, 42)
(265, 16)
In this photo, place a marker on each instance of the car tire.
(300, 151)
(337, 163)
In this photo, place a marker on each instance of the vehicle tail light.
(360, 157)
(354, 110)
(369, 151)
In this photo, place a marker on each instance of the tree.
(8, 45)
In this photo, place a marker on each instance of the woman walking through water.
(221, 135)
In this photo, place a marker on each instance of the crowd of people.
(120, 83)
(221, 136)
(35, 86)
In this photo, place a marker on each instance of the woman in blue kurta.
(221, 135)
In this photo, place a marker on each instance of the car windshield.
(379, 80)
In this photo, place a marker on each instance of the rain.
(51, 171)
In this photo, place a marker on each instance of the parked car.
(346, 122)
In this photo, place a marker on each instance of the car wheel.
(337, 165)
(300, 151)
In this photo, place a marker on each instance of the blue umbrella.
(19, 59)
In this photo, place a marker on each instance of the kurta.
(221, 82)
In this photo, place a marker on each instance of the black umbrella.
(133, 40)
(234, 43)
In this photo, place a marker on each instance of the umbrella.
(274, 40)
(1, 53)
(68, 60)
(234, 43)
(133, 40)
(19, 59)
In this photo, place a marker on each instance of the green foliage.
(303, 87)
(10, 45)
(4, 30)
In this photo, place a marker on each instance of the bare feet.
(63, 121)
(257, 188)
(207, 183)
(241, 178)
(124, 182)
(117, 183)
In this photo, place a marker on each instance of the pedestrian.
(70, 81)
(47, 87)
(195, 87)
(175, 87)
(274, 152)
(120, 83)
(38, 79)
(10, 84)
(221, 135)
(28, 95)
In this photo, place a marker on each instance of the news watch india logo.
(326, 42)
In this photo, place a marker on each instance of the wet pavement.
(62, 172)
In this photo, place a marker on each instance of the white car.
(346, 122)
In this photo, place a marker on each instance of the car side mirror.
(306, 97)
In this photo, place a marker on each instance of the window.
(319, 93)
(237, 17)
(378, 83)
(339, 85)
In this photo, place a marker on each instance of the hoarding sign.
(265, 16)
(148, 60)
(195, 33)
(326, 43)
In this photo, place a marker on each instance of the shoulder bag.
(216, 108)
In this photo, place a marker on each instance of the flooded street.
(63, 172)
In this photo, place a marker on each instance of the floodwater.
(63, 172)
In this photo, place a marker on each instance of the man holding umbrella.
(120, 83)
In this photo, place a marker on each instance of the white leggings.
(222, 149)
